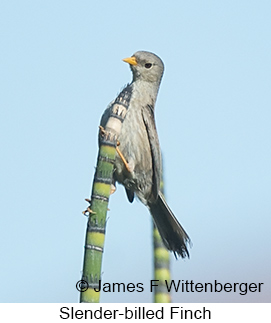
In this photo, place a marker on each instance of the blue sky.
(60, 65)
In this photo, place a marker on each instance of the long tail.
(172, 233)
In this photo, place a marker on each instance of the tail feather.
(172, 233)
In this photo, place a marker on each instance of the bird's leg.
(123, 158)
(129, 169)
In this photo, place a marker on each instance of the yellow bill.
(130, 60)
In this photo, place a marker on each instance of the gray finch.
(139, 144)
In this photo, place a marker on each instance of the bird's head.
(146, 66)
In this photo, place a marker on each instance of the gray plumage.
(139, 145)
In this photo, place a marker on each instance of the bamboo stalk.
(95, 233)
(97, 211)
(161, 260)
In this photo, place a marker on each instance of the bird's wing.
(148, 118)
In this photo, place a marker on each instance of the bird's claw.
(112, 189)
(88, 211)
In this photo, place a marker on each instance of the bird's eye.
(148, 65)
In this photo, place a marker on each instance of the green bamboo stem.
(161, 260)
(95, 234)
(97, 211)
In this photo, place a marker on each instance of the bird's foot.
(88, 211)
(102, 131)
(113, 189)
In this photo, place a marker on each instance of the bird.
(138, 166)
